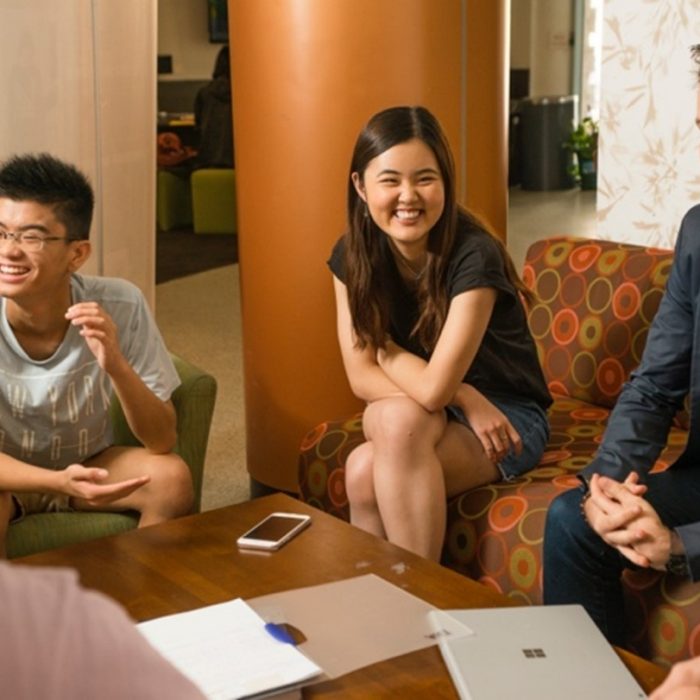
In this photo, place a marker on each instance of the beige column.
(78, 81)
(307, 74)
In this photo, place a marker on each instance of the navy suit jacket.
(670, 369)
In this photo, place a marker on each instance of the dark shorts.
(31, 503)
(529, 419)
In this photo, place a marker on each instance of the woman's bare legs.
(398, 481)
(359, 485)
(394, 480)
(464, 463)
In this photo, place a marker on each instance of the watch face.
(677, 564)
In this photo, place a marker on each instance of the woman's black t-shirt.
(506, 363)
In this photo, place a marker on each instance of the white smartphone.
(274, 531)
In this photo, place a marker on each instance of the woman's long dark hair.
(366, 261)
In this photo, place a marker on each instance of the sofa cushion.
(596, 300)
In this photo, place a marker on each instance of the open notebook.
(225, 650)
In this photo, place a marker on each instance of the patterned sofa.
(595, 302)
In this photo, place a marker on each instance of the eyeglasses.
(28, 241)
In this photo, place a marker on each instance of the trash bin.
(545, 124)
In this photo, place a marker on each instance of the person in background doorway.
(213, 118)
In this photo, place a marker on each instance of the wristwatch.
(677, 565)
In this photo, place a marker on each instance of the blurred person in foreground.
(60, 641)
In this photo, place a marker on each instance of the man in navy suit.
(623, 516)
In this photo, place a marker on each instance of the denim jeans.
(530, 421)
(580, 568)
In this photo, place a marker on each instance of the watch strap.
(677, 565)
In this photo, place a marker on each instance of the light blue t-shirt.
(54, 412)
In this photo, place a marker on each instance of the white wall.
(551, 24)
(78, 80)
(520, 15)
(591, 59)
(183, 33)
(649, 164)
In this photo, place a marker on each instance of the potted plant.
(583, 141)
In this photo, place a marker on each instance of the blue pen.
(279, 632)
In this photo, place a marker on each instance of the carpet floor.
(182, 252)
(199, 317)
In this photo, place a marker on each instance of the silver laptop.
(543, 653)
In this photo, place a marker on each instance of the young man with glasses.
(623, 516)
(67, 343)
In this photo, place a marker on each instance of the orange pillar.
(307, 74)
(486, 111)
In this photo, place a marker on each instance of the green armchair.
(194, 403)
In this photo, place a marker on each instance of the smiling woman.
(433, 336)
(405, 195)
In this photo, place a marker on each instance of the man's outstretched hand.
(87, 484)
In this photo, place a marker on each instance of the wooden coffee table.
(191, 562)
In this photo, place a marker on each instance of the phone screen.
(273, 528)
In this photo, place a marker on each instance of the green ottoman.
(214, 200)
(174, 201)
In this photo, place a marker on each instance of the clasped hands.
(625, 520)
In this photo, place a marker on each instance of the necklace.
(415, 274)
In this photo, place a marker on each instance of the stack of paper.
(226, 651)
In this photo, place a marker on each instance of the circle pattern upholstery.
(590, 310)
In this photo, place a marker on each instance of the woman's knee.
(359, 476)
(402, 421)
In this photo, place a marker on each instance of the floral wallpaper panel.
(649, 152)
